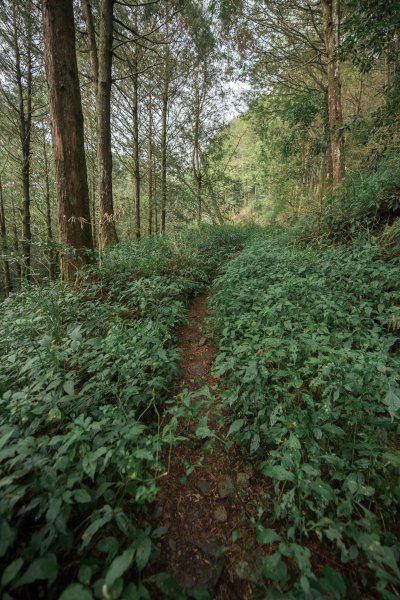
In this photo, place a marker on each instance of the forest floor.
(204, 500)
(265, 467)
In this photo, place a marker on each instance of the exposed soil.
(210, 542)
(203, 510)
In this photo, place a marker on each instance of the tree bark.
(331, 20)
(18, 268)
(327, 170)
(94, 58)
(50, 236)
(214, 201)
(196, 154)
(156, 223)
(3, 233)
(135, 78)
(150, 168)
(108, 232)
(67, 132)
(94, 215)
(25, 127)
(164, 124)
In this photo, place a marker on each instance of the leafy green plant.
(307, 349)
(85, 374)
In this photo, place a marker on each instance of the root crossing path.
(203, 501)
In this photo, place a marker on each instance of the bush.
(362, 205)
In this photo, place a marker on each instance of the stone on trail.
(202, 341)
(204, 487)
(226, 487)
(210, 548)
(242, 480)
(220, 514)
(188, 581)
(172, 544)
(158, 511)
(250, 571)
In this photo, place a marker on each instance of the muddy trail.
(205, 501)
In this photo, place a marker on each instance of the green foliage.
(371, 27)
(362, 204)
(231, 167)
(84, 373)
(298, 114)
(308, 351)
(289, 151)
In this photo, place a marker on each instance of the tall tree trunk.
(18, 268)
(108, 232)
(214, 201)
(196, 154)
(25, 126)
(135, 78)
(331, 19)
(52, 254)
(199, 200)
(156, 223)
(4, 245)
(94, 58)
(67, 131)
(327, 170)
(94, 214)
(150, 168)
(164, 123)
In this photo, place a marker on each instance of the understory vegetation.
(308, 339)
(149, 151)
(84, 373)
(308, 356)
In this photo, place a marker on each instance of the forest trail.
(203, 510)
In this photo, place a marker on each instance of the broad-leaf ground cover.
(308, 357)
(309, 352)
(84, 373)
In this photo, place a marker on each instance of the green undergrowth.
(84, 374)
(366, 203)
(309, 354)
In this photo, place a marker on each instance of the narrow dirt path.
(202, 511)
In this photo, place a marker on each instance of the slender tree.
(150, 167)
(331, 20)
(101, 56)
(24, 87)
(136, 148)
(164, 140)
(91, 33)
(49, 225)
(196, 157)
(108, 232)
(4, 245)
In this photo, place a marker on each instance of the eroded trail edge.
(202, 501)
